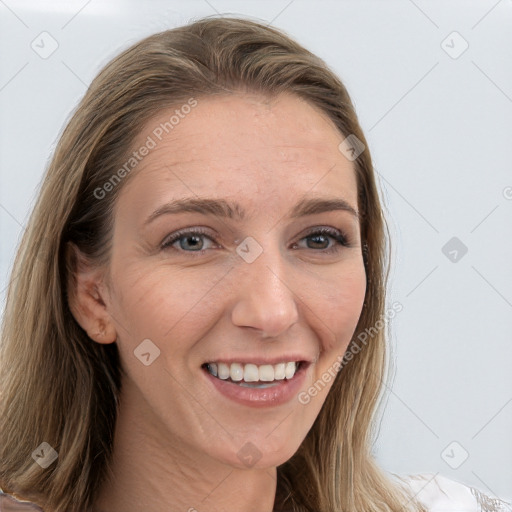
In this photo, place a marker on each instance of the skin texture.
(177, 438)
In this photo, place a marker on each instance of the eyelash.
(335, 234)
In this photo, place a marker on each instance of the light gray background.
(439, 127)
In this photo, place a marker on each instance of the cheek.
(338, 305)
(159, 304)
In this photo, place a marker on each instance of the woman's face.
(244, 279)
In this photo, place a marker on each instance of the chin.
(260, 454)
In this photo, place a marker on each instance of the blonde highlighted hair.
(59, 387)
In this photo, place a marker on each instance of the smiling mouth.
(252, 375)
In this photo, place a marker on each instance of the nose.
(265, 299)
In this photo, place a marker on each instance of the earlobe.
(103, 334)
(88, 306)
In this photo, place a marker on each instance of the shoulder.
(10, 504)
(441, 494)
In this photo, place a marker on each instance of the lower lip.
(261, 397)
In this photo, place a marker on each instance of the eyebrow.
(225, 209)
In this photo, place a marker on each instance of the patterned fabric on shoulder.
(9, 503)
(441, 494)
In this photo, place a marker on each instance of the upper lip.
(258, 360)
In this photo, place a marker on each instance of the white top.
(441, 494)
(436, 492)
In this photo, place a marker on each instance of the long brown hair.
(59, 387)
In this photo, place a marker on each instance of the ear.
(87, 296)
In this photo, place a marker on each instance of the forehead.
(249, 146)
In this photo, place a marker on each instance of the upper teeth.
(252, 372)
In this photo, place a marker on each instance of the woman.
(181, 329)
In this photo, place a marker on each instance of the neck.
(151, 470)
